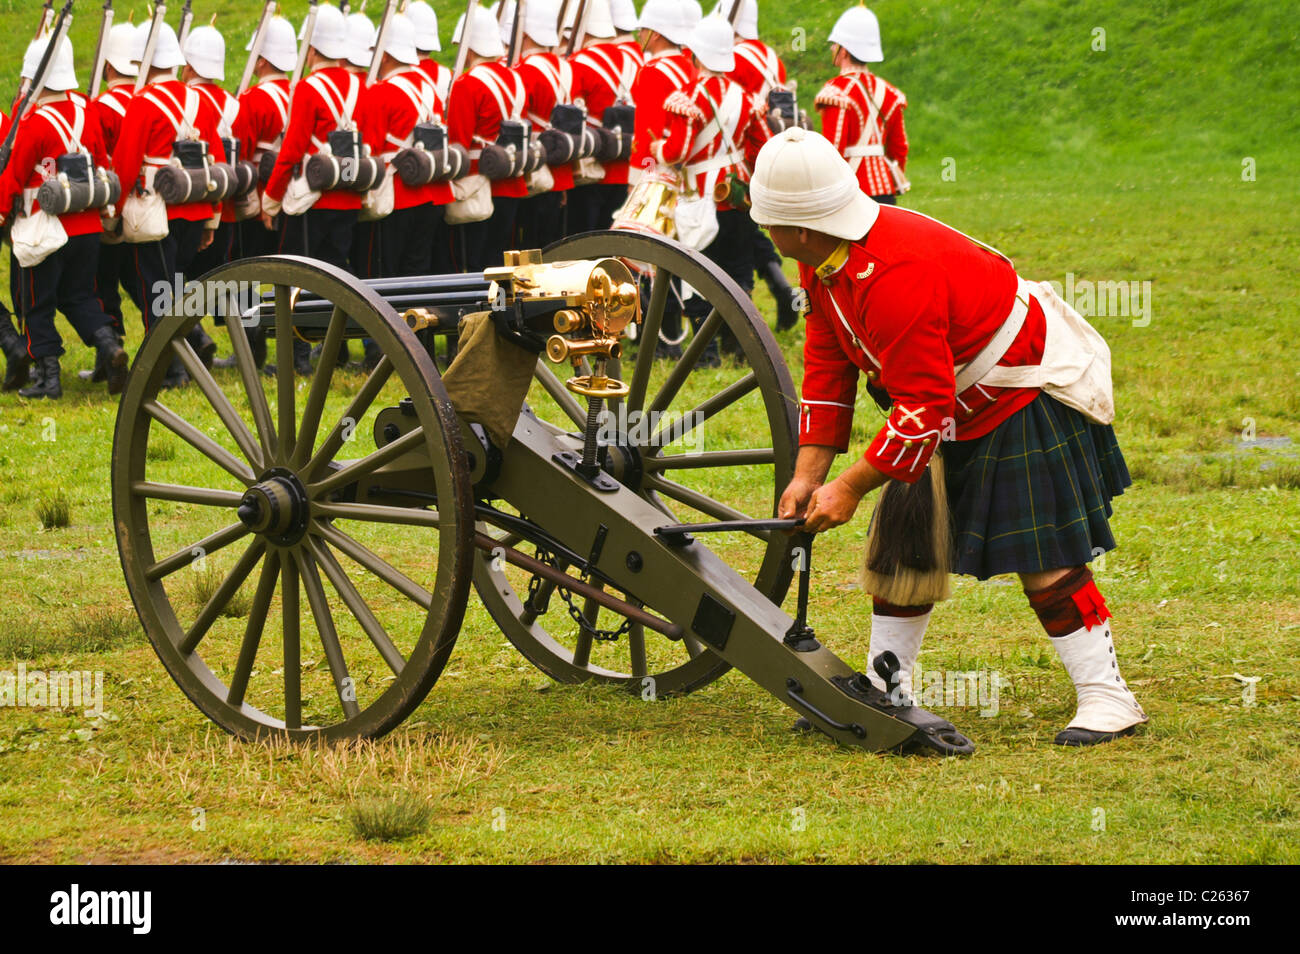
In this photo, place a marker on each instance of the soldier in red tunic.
(997, 455)
(549, 81)
(714, 131)
(64, 279)
(861, 113)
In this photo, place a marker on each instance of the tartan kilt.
(1034, 493)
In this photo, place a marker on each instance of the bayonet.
(150, 44)
(37, 85)
(259, 39)
(187, 18)
(101, 51)
(579, 29)
(385, 22)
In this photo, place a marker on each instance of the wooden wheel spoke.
(348, 421)
(686, 364)
(355, 470)
(693, 418)
(329, 636)
(726, 458)
(701, 502)
(221, 598)
(204, 496)
(648, 339)
(358, 607)
(320, 383)
(199, 441)
(376, 513)
(290, 608)
(253, 630)
(220, 403)
(553, 386)
(205, 547)
(285, 385)
(252, 379)
(366, 558)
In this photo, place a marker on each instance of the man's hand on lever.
(825, 505)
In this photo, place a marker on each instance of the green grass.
(1138, 181)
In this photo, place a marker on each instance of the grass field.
(505, 765)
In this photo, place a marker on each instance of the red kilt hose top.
(263, 116)
(395, 106)
(227, 109)
(480, 99)
(863, 116)
(758, 69)
(48, 132)
(549, 82)
(662, 75)
(694, 125)
(602, 74)
(904, 304)
(150, 129)
(318, 102)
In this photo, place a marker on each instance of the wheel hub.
(277, 507)
(623, 462)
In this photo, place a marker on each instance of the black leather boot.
(111, 358)
(17, 363)
(783, 294)
(203, 345)
(47, 384)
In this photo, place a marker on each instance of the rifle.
(47, 14)
(516, 35)
(187, 18)
(462, 50)
(579, 28)
(734, 16)
(101, 51)
(150, 44)
(259, 38)
(308, 28)
(377, 58)
(37, 86)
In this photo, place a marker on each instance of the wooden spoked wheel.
(700, 443)
(279, 603)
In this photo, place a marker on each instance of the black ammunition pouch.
(245, 171)
(75, 189)
(510, 156)
(569, 138)
(617, 125)
(191, 153)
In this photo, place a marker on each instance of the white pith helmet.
(399, 41)
(623, 14)
(713, 42)
(117, 51)
(361, 40)
(800, 179)
(671, 19)
(483, 37)
(167, 53)
(279, 48)
(61, 75)
(426, 26)
(205, 52)
(329, 37)
(746, 23)
(858, 31)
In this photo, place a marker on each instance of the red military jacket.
(440, 75)
(480, 99)
(863, 116)
(695, 123)
(904, 304)
(662, 75)
(633, 50)
(758, 69)
(109, 109)
(49, 131)
(395, 105)
(263, 116)
(549, 81)
(604, 73)
(150, 129)
(226, 108)
(319, 103)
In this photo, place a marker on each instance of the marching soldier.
(116, 262)
(205, 68)
(484, 95)
(714, 131)
(860, 112)
(427, 43)
(364, 258)
(759, 70)
(604, 73)
(163, 112)
(988, 464)
(64, 280)
(549, 82)
(623, 15)
(404, 98)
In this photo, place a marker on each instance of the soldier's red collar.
(834, 261)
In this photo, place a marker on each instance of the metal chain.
(535, 586)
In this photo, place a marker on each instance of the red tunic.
(109, 109)
(318, 103)
(604, 73)
(441, 77)
(226, 108)
(263, 116)
(394, 107)
(694, 124)
(41, 140)
(149, 130)
(480, 99)
(758, 69)
(919, 297)
(549, 81)
(662, 75)
(863, 116)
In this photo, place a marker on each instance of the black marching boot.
(783, 294)
(47, 384)
(202, 344)
(17, 363)
(110, 359)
